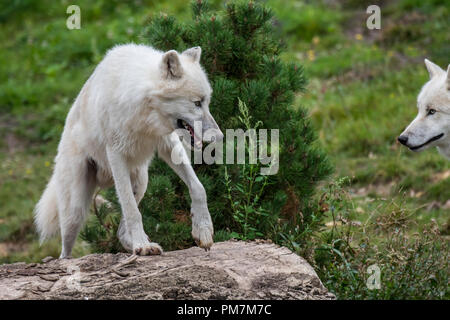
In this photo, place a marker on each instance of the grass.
(362, 98)
(362, 92)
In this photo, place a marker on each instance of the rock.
(47, 259)
(230, 270)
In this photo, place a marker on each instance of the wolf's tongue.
(197, 141)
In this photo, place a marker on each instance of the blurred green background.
(361, 94)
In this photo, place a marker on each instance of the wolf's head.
(431, 127)
(184, 95)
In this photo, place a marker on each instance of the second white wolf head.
(431, 127)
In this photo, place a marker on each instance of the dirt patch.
(6, 248)
(9, 141)
(381, 189)
(440, 176)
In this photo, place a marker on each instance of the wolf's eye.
(198, 103)
(431, 112)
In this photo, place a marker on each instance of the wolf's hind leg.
(77, 183)
(130, 212)
(139, 180)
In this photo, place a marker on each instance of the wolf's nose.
(403, 140)
(219, 136)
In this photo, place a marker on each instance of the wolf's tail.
(46, 212)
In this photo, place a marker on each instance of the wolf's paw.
(203, 235)
(148, 249)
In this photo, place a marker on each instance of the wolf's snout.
(213, 135)
(403, 140)
(219, 136)
(211, 131)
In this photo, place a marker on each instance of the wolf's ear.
(194, 53)
(433, 69)
(171, 66)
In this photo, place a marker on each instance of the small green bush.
(411, 265)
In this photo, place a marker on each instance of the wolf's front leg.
(132, 218)
(202, 227)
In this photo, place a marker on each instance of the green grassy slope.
(363, 88)
(361, 94)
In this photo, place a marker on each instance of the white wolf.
(127, 111)
(431, 127)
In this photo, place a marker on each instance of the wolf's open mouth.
(184, 125)
(429, 141)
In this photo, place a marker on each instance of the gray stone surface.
(230, 270)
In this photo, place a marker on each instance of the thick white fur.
(125, 113)
(435, 95)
